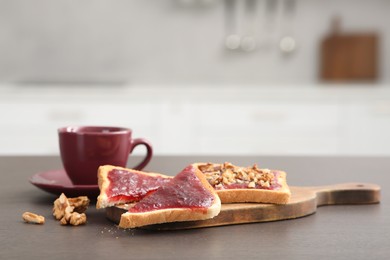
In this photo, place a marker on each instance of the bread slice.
(246, 184)
(187, 197)
(120, 185)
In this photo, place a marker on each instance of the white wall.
(164, 42)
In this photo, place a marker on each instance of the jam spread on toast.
(185, 190)
(132, 186)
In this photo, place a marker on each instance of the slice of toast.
(187, 197)
(121, 185)
(246, 184)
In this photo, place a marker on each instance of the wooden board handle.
(347, 193)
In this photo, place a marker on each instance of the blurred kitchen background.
(288, 77)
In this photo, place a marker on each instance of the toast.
(187, 197)
(235, 184)
(120, 185)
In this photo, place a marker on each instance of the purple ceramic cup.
(84, 148)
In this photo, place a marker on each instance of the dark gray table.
(334, 232)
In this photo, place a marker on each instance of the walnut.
(241, 175)
(71, 210)
(252, 184)
(209, 167)
(267, 176)
(214, 179)
(77, 219)
(225, 180)
(256, 168)
(228, 165)
(228, 177)
(264, 184)
(67, 214)
(80, 204)
(63, 221)
(60, 205)
(33, 218)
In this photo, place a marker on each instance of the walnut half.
(33, 218)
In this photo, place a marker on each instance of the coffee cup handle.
(149, 151)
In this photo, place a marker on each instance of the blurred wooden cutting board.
(349, 56)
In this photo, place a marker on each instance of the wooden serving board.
(350, 57)
(304, 201)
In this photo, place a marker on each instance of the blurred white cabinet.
(200, 123)
(367, 127)
(269, 128)
(31, 128)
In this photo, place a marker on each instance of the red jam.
(185, 190)
(131, 186)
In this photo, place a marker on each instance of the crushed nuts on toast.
(220, 175)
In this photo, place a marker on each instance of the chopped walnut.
(77, 219)
(71, 210)
(67, 214)
(252, 184)
(264, 183)
(60, 206)
(80, 204)
(74, 219)
(209, 167)
(33, 218)
(63, 221)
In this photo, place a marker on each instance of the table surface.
(338, 232)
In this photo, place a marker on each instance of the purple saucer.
(57, 182)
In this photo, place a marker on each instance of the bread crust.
(256, 195)
(133, 220)
(104, 183)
